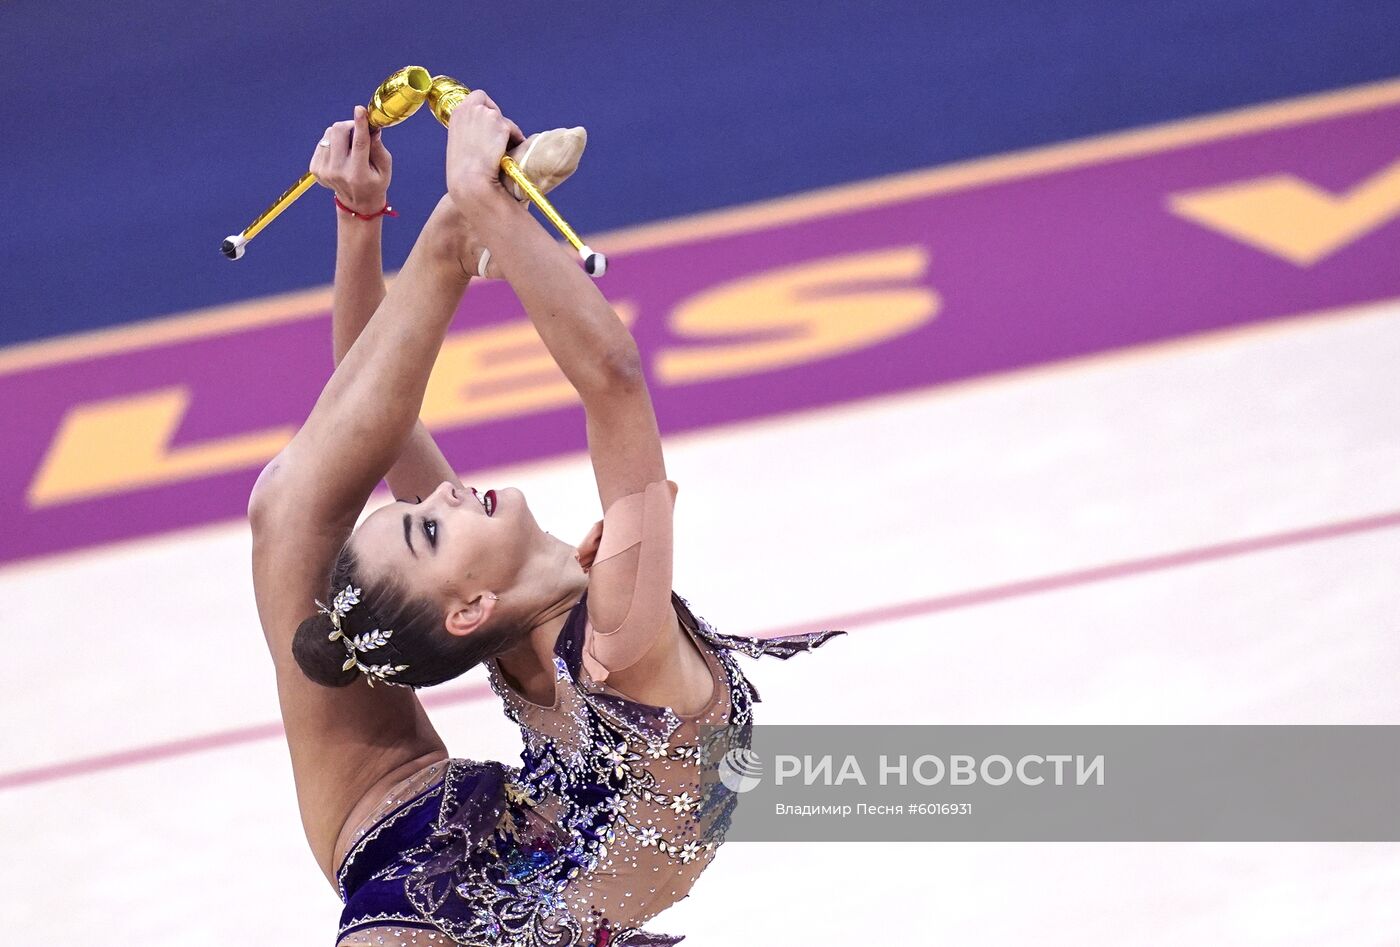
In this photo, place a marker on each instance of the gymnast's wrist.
(441, 239)
(497, 216)
(361, 208)
(356, 231)
(484, 203)
(354, 237)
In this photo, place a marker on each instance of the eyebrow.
(408, 532)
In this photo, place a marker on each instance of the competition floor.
(1201, 527)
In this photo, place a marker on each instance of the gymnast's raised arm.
(369, 409)
(636, 643)
(356, 166)
(348, 742)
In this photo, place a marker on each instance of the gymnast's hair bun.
(320, 658)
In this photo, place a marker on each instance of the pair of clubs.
(398, 97)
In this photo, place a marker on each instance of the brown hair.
(419, 640)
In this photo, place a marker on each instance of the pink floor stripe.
(209, 741)
(942, 603)
(1104, 573)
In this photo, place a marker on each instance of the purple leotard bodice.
(609, 819)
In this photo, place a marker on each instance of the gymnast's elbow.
(264, 496)
(620, 370)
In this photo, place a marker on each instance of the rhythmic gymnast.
(610, 675)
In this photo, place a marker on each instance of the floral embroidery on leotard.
(608, 819)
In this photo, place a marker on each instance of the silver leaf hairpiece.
(346, 599)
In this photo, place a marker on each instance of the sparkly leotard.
(609, 819)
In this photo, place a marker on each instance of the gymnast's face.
(453, 546)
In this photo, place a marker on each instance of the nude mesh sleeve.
(635, 552)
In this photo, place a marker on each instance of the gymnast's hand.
(351, 160)
(477, 137)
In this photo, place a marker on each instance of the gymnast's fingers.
(379, 155)
(479, 97)
(516, 135)
(339, 137)
(359, 133)
(320, 158)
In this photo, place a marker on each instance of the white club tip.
(594, 264)
(233, 245)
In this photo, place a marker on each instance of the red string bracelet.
(385, 211)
